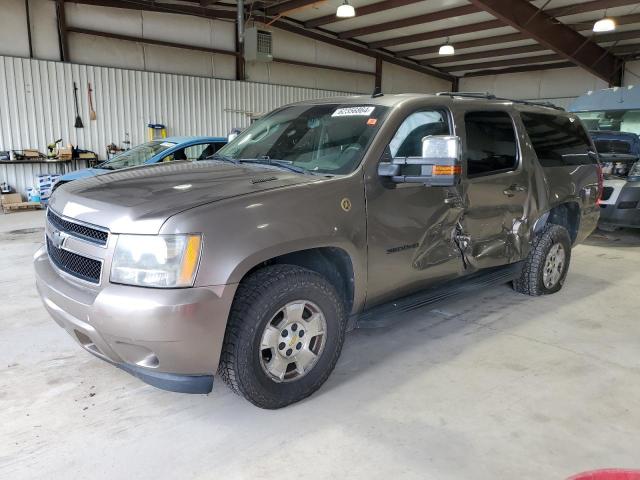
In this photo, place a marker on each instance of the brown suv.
(321, 217)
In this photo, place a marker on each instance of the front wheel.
(284, 335)
(545, 269)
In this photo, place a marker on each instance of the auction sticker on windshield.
(350, 111)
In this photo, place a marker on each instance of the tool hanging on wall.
(78, 123)
(92, 112)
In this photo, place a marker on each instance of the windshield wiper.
(277, 163)
(224, 158)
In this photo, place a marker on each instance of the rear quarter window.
(558, 140)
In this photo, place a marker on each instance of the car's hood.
(139, 200)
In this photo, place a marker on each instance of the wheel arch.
(566, 214)
(334, 263)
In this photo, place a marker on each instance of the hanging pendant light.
(604, 25)
(446, 49)
(345, 10)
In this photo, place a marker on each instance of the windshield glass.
(137, 155)
(329, 138)
(613, 120)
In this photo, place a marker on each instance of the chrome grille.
(78, 230)
(85, 268)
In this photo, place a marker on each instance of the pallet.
(14, 207)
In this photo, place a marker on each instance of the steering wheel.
(353, 148)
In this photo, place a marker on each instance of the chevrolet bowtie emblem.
(58, 238)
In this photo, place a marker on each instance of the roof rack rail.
(490, 96)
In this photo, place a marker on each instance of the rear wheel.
(284, 335)
(545, 269)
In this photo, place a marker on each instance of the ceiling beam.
(153, 6)
(491, 24)
(408, 22)
(360, 12)
(601, 38)
(502, 52)
(569, 44)
(525, 68)
(480, 42)
(503, 63)
(443, 33)
(290, 5)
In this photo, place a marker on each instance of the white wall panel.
(44, 30)
(13, 28)
(38, 106)
(396, 79)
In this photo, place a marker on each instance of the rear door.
(496, 189)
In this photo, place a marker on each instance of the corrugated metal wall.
(36, 104)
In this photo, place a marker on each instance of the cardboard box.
(65, 153)
(8, 198)
(30, 152)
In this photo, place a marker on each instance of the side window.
(407, 142)
(558, 140)
(193, 152)
(491, 143)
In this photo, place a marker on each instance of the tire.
(532, 280)
(269, 299)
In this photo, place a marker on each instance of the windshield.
(329, 138)
(137, 155)
(613, 120)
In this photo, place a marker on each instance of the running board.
(391, 312)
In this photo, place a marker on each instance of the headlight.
(162, 261)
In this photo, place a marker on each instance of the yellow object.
(157, 131)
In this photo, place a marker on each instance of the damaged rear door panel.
(494, 228)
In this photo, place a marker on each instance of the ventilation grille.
(258, 45)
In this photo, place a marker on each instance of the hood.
(140, 199)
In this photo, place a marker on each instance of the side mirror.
(439, 165)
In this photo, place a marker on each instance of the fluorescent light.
(345, 10)
(604, 25)
(446, 50)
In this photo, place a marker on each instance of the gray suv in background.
(321, 217)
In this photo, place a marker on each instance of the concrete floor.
(497, 386)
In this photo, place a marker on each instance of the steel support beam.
(504, 63)
(378, 78)
(62, 31)
(569, 44)
(153, 6)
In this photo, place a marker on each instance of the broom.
(78, 123)
(92, 112)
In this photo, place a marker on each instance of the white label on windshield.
(349, 111)
(167, 144)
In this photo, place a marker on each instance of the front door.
(496, 191)
(411, 227)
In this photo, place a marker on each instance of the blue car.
(156, 151)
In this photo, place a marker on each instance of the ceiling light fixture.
(345, 10)
(446, 49)
(604, 25)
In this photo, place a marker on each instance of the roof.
(443, 98)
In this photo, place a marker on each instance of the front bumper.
(169, 338)
(624, 210)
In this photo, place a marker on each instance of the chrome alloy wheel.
(293, 341)
(553, 265)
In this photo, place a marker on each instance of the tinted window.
(491, 143)
(557, 140)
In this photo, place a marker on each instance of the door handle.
(452, 199)
(512, 189)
